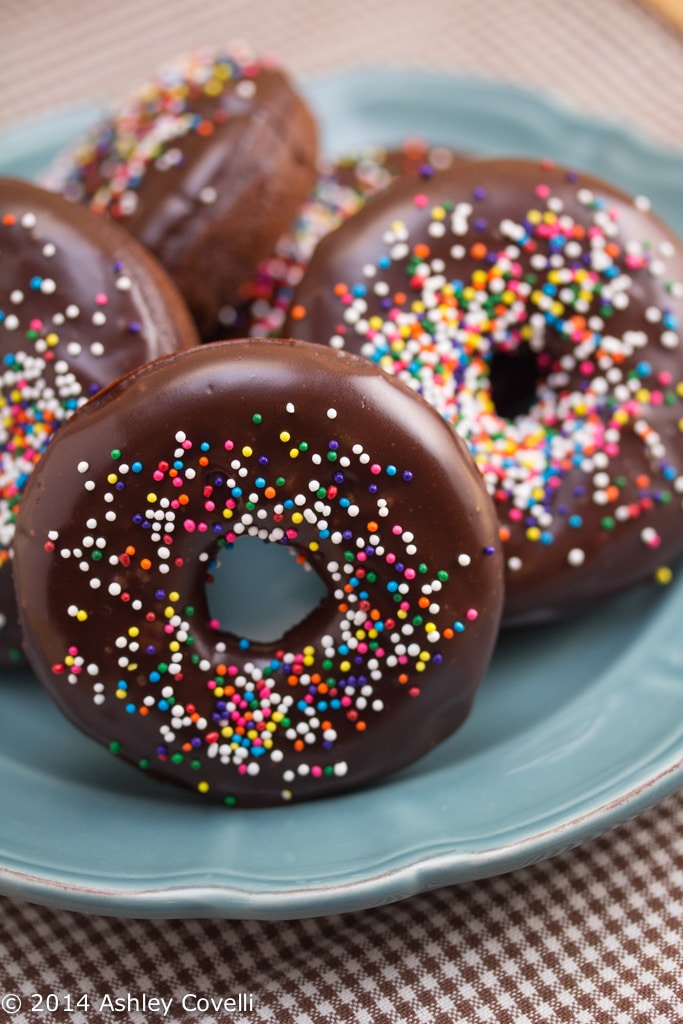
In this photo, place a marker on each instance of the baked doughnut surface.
(80, 304)
(297, 445)
(538, 310)
(206, 165)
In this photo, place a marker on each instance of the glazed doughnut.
(539, 311)
(342, 188)
(297, 445)
(206, 165)
(80, 304)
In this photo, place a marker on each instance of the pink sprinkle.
(101, 299)
(516, 514)
(542, 191)
(472, 614)
(409, 574)
(229, 445)
(397, 530)
(420, 200)
(73, 651)
(346, 702)
(375, 468)
(36, 325)
(316, 770)
(190, 525)
(157, 475)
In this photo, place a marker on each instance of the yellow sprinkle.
(112, 478)
(430, 627)
(81, 615)
(169, 612)
(345, 666)
(151, 497)
(664, 575)
(297, 517)
(174, 646)
(213, 87)
(174, 596)
(134, 631)
(52, 339)
(420, 666)
(247, 451)
(438, 213)
(121, 694)
(285, 436)
(313, 546)
(294, 453)
(203, 787)
(533, 533)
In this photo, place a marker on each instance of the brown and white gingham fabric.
(593, 936)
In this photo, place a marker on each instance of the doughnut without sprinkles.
(80, 304)
(538, 310)
(300, 446)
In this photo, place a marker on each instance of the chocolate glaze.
(298, 445)
(210, 195)
(521, 257)
(81, 303)
(341, 189)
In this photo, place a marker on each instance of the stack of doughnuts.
(474, 417)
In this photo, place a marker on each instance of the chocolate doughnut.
(343, 186)
(206, 165)
(539, 311)
(297, 445)
(81, 303)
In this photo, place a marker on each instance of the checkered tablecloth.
(593, 936)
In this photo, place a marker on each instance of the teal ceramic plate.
(577, 726)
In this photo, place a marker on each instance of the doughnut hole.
(514, 375)
(258, 591)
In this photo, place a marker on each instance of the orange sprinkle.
(130, 550)
(504, 533)
(423, 602)
(299, 745)
(183, 499)
(203, 461)
(403, 678)
(205, 128)
(642, 480)
(421, 251)
(478, 251)
(400, 298)
(145, 563)
(298, 312)
(9, 219)
(270, 492)
(373, 527)
(361, 726)
(340, 289)
(221, 670)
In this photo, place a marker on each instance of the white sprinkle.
(16, 296)
(49, 249)
(576, 557)
(48, 286)
(123, 283)
(331, 414)
(28, 220)
(208, 195)
(83, 467)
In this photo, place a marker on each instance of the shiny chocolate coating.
(343, 186)
(206, 165)
(297, 445)
(81, 303)
(538, 310)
